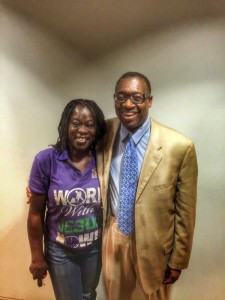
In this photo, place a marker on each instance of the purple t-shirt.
(74, 212)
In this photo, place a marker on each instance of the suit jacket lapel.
(151, 160)
(108, 149)
(152, 157)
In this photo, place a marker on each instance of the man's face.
(131, 115)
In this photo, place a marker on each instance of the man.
(160, 219)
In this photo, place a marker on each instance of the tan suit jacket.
(165, 200)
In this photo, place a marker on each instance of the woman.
(65, 205)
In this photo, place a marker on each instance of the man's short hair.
(135, 74)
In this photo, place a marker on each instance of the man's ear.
(150, 99)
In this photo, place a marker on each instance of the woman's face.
(81, 129)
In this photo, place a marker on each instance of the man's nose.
(128, 103)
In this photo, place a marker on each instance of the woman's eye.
(78, 125)
(75, 124)
(90, 126)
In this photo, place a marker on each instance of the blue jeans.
(74, 273)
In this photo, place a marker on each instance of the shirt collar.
(137, 136)
(63, 155)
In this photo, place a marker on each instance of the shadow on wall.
(50, 60)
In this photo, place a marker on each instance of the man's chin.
(131, 125)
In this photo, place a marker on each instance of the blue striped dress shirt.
(140, 137)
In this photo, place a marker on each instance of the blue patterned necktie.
(128, 189)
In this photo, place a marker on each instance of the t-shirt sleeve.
(39, 175)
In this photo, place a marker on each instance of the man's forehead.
(131, 83)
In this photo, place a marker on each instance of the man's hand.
(171, 275)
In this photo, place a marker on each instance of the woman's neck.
(81, 159)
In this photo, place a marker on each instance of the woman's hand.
(28, 194)
(35, 228)
(39, 271)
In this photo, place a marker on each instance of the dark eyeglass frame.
(131, 97)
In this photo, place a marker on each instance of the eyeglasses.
(134, 98)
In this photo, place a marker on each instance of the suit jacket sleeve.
(185, 209)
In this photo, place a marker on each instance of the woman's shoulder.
(46, 154)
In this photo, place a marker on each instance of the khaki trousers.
(120, 268)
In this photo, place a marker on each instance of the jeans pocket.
(55, 253)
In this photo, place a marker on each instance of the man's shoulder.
(169, 133)
(112, 122)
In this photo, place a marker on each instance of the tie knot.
(130, 144)
(129, 139)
